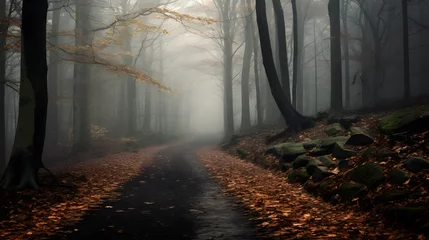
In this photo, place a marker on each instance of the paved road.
(173, 199)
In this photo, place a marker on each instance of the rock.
(318, 173)
(360, 139)
(416, 165)
(241, 153)
(311, 144)
(343, 164)
(320, 152)
(408, 120)
(341, 153)
(292, 176)
(391, 196)
(356, 130)
(334, 130)
(349, 190)
(303, 176)
(324, 187)
(398, 176)
(406, 215)
(369, 174)
(285, 166)
(289, 151)
(314, 162)
(330, 141)
(383, 153)
(425, 228)
(326, 161)
(301, 161)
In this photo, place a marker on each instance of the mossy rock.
(356, 130)
(398, 176)
(342, 153)
(349, 190)
(416, 164)
(301, 161)
(320, 152)
(289, 151)
(303, 176)
(285, 166)
(318, 173)
(292, 176)
(369, 174)
(330, 141)
(333, 130)
(311, 144)
(326, 161)
(241, 153)
(392, 196)
(409, 120)
(325, 187)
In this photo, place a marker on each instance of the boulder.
(349, 190)
(369, 174)
(370, 152)
(333, 130)
(341, 153)
(303, 176)
(392, 196)
(320, 152)
(285, 166)
(308, 145)
(330, 141)
(301, 161)
(326, 161)
(408, 120)
(318, 173)
(398, 176)
(360, 139)
(416, 165)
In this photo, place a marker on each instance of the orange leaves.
(44, 213)
(285, 210)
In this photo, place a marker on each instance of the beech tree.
(336, 68)
(26, 158)
(293, 119)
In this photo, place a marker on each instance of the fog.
(169, 69)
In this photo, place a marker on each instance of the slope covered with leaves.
(286, 210)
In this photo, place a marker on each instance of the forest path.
(173, 199)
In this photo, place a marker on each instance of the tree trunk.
(315, 68)
(52, 119)
(147, 123)
(3, 33)
(81, 130)
(336, 71)
(26, 158)
(227, 71)
(405, 37)
(256, 67)
(295, 52)
(293, 119)
(346, 54)
(281, 39)
(245, 73)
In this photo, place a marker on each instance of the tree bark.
(293, 119)
(295, 52)
(346, 54)
(227, 71)
(260, 116)
(52, 119)
(3, 32)
(245, 74)
(281, 39)
(336, 71)
(26, 158)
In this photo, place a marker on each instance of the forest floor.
(381, 184)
